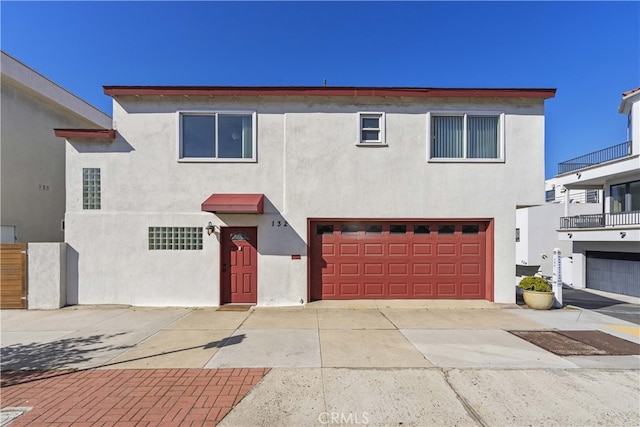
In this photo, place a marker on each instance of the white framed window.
(227, 136)
(466, 137)
(371, 129)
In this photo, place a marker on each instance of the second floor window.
(625, 197)
(217, 136)
(466, 136)
(371, 128)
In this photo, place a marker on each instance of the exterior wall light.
(570, 235)
(210, 228)
(622, 234)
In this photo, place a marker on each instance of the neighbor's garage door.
(397, 260)
(614, 272)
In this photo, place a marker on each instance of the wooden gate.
(13, 275)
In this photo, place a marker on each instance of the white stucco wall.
(32, 158)
(539, 233)
(308, 167)
(47, 276)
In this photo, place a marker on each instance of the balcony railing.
(602, 156)
(600, 220)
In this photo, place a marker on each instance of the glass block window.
(90, 188)
(175, 238)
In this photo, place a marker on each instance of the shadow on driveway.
(608, 306)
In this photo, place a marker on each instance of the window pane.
(446, 229)
(348, 228)
(398, 229)
(446, 137)
(470, 229)
(235, 137)
(370, 135)
(324, 229)
(634, 193)
(482, 137)
(377, 229)
(421, 229)
(617, 198)
(198, 136)
(370, 122)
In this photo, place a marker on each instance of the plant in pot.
(537, 293)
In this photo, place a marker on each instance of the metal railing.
(600, 220)
(605, 155)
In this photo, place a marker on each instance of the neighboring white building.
(537, 230)
(201, 196)
(606, 244)
(32, 165)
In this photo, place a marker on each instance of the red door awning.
(234, 203)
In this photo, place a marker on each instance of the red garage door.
(398, 259)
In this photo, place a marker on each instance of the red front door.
(239, 265)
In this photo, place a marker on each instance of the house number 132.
(279, 223)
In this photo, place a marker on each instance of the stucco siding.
(33, 192)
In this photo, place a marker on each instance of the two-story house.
(33, 183)
(201, 196)
(606, 244)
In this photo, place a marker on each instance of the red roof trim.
(86, 133)
(234, 203)
(326, 91)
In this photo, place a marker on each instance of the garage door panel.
(349, 249)
(471, 289)
(446, 289)
(448, 269)
(373, 249)
(398, 269)
(422, 249)
(423, 289)
(396, 249)
(398, 289)
(470, 249)
(421, 269)
(349, 289)
(349, 269)
(445, 249)
(328, 268)
(381, 259)
(373, 269)
(469, 269)
(374, 289)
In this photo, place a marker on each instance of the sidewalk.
(412, 362)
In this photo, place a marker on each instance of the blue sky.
(589, 51)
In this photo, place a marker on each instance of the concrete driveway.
(375, 363)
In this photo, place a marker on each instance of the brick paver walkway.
(129, 397)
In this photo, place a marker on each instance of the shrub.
(532, 283)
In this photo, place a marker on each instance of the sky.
(588, 51)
